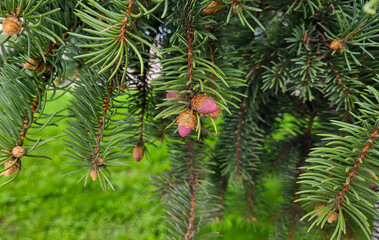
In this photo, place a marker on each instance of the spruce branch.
(341, 178)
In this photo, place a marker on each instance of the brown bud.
(18, 152)
(190, 123)
(31, 64)
(37, 66)
(11, 26)
(93, 173)
(333, 218)
(138, 153)
(336, 44)
(213, 8)
(10, 171)
(100, 160)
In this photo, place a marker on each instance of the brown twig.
(124, 25)
(193, 190)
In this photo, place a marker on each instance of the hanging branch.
(327, 165)
(339, 199)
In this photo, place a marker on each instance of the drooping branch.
(354, 171)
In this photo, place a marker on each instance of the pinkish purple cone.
(209, 106)
(171, 95)
(183, 131)
(138, 159)
(373, 186)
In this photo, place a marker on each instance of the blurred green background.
(43, 204)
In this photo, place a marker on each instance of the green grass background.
(43, 204)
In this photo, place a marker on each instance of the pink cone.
(183, 131)
(209, 106)
(171, 95)
(373, 186)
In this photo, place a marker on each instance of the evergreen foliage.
(253, 87)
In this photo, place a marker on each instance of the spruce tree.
(237, 90)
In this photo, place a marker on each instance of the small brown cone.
(11, 26)
(138, 153)
(333, 218)
(37, 66)
(100, 160)
(336, 44)
(18, 152)
(213, 8)
(13, 169)
(190, 123)
(93, 173)
(31, 64)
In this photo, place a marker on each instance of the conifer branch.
(354, 171)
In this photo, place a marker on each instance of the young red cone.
(171, 95)
(138, 153)
(185, 127)
(204, 104)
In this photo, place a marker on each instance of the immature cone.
(336, 44)
(138, 153)
(213, 8)
(18, 152)
(100, 160)
(11, 26)
(13, 169)
(333, 218)
(93, 173)
(204, 104)
(185, 127)
(32, 64)
(172, 95)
